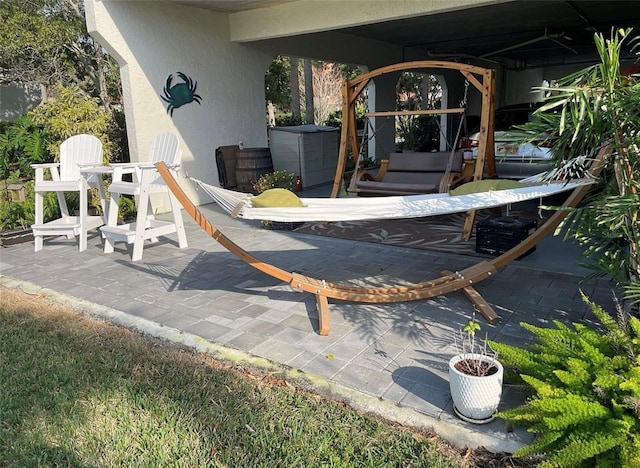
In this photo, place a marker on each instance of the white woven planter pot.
(475, 399)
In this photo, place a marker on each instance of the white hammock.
(393, 207)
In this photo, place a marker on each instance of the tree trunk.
(295, 89)
(627, 186)
(308, 91)
(101, 81)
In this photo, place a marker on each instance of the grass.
(75, 391)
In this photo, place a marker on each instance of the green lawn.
(75, 391)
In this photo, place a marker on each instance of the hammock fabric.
(393, 207)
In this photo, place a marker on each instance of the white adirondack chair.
(146, 181)
(75, 152)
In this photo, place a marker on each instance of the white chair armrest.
(122, 168)
(53, 169)
(88, 169)
(45, 165)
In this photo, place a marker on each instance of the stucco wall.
(17, 100)
(152, 40)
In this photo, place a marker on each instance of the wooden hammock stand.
(483, 79)
(448, 282)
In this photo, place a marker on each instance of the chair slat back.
(79, 149)
(164, 147)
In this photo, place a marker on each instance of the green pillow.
(276, 197)
(486, 185)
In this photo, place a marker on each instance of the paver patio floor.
(386, 358)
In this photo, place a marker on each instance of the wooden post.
(324, 325)
(478, 301)
(486, 150)
(344, 143)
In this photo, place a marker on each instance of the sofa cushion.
(421, 178)
(424, 162)
(399, 189)
(412, 173)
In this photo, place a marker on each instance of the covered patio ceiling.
(517, 33)
(529, 33)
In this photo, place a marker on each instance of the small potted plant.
(277, 179)
(475, 378)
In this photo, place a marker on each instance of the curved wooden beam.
(422, 290)
(449, 281)
(419, 64)
(323, 289)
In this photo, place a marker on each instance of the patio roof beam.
(305, 17)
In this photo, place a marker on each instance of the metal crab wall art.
(180, 93)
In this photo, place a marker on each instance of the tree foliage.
(286, 89)
(46, 42)
(590, 108)
(327, 84)
(276, 82)
(585, 405)
(33, 41)
(22, 144)
(418, 91)
(71, 112)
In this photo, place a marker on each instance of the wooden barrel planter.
(251, 164)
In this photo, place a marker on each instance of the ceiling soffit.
(520, 33)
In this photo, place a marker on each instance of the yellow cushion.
(276, 197)
(486, 185)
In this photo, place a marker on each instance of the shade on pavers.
(387, 358)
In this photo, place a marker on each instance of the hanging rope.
(463, 102)
(360, 161)
(368, 134)
(445, 181)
